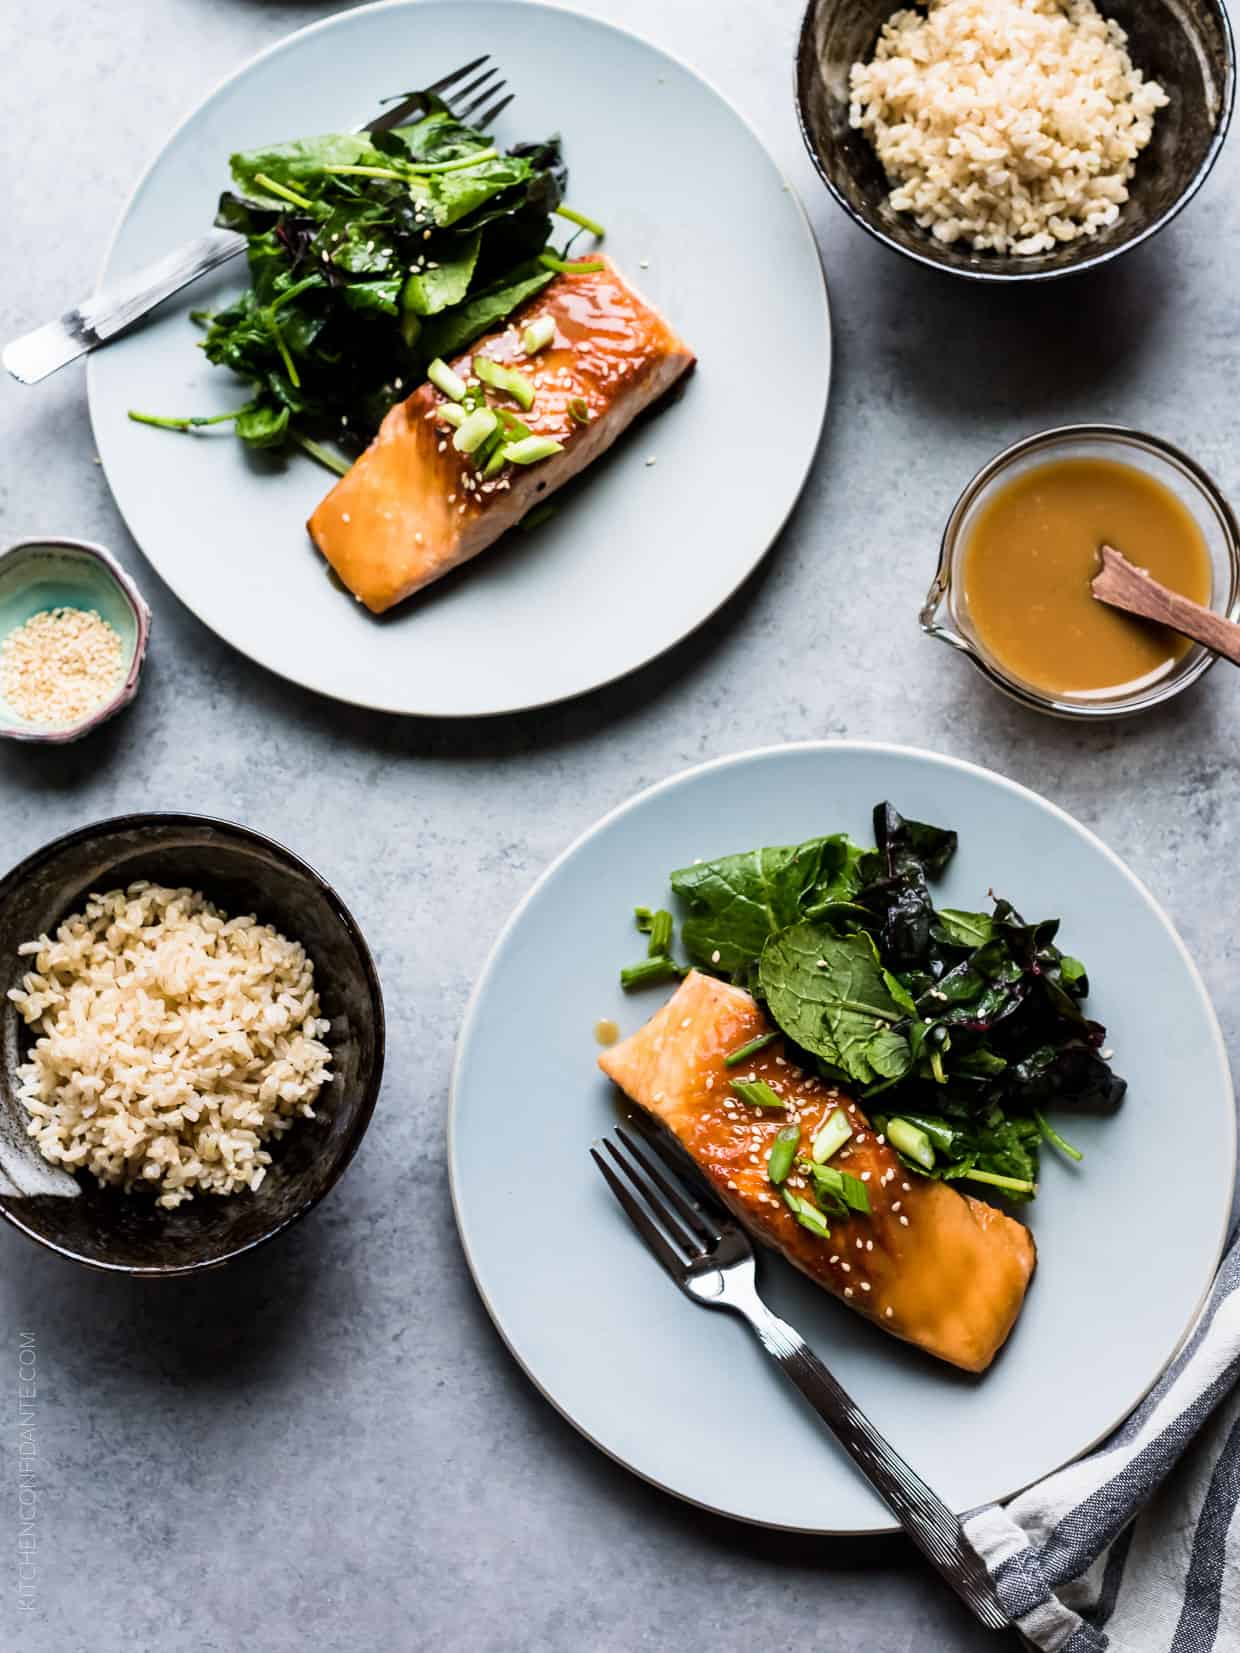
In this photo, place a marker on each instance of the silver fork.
(100, 319)
(710, 1258)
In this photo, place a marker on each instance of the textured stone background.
(328, 1447)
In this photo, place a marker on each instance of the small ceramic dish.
(41, 574)
(1185, 45)
(243, 872)
(945, 615)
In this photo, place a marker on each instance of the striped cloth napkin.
(1136, 1548)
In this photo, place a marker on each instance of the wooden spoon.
(1125, 586)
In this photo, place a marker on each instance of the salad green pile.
(955, 1029)
(371, 255)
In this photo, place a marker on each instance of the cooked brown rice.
(173, 1042)
(1012, 124)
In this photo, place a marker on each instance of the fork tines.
(485, 85)
(659, 1195)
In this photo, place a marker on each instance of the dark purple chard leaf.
(896, 891)
(1071, 1075)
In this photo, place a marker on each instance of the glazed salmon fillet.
(412, 508)
(929, 1265)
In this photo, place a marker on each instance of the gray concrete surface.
(329, 1448)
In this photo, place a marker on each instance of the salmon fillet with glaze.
(412, 508)
(929, 1265)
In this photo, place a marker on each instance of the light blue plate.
(1127, 1242)
(697, 216)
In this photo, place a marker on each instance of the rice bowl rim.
(805, 63)
(292, 862)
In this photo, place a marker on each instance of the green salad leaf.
(368, 256)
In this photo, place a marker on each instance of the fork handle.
(98, 319)
(921, 1512)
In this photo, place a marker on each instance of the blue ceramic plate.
(1127, 1241)
(640, 554)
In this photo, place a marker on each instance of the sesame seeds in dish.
(60, 666)
(171, 1043)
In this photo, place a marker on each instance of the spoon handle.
(1124, 586)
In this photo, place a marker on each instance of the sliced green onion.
(757, 1093)
(538, 335)
(850, 1191)
(574, 217)
(285, 194)
(735, 1057)
(444, 379)
(643, 918)
(578, 410)
(783, 1152)
(649, 971)
(507, 379)
(474, 430)
(565, 266)
(809, 1216)
(451, 413)
(530, 449)
(495, 463)
(831, 1136)
(912, 1142)
(1053, 1137)
(660, 933)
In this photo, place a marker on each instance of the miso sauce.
(606, 1031)
(1033, 551)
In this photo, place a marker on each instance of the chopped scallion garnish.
(507, 379)
(660, 933)
(735, 1057)
(1016, 1185)
(649, 971)
(912, 1142)
(783, 1153)
(445, 380)
(536, 517)
(644, 919)
(831, 1137)
(757, 1093)
(530, 449)
(538, 335)
(809, 1216)
(579, 411)
(451, 414)
(474, 430)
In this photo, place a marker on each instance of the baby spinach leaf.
(827, 992)
(961, 929)
(889, 1054)
(737, 901)
(429, 291)
(453, 330)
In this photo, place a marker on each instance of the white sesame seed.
(889, 1313)
(847, 1267)
(710, 1081)
(418, 537)
(906, 1187)
(836, 1258)
(904, 1219)
(688, 1022)
(869, 1245)
(344, 516)
(848, 1291)
(865, 1176)
(895, 1205)
(881, 1140)
(715, 956)
(865, 1285)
